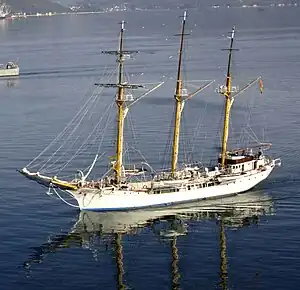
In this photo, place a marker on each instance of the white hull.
(11, 72)
(101, 200)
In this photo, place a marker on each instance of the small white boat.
(4, 10)
(11, 69)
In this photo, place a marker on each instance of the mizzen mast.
(178, 102)
(228, 101)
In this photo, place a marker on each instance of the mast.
(120, 105)
(228, 102)
(178, 102)
(122, 109)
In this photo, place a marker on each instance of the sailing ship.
(96, 232)
(236, 170)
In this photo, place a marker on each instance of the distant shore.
(118, 9)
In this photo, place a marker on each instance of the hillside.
(94, 5)
(33, 6)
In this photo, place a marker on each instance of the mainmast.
(228, 102)
(178, 102)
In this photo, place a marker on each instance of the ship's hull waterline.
(122, 200)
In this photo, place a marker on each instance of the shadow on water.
(96, 231)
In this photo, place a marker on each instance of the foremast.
(178, 102)
(122, 109)
(120, 106)
(228, 101)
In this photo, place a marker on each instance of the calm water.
(248, 242)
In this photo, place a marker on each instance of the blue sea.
(250, 241)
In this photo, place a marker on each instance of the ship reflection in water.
(94, 230)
